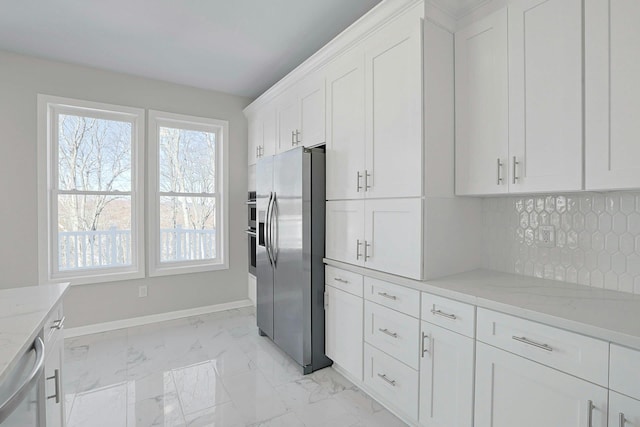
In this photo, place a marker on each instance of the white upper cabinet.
(301, 114)
(612, 68)
(482, 105)
(255, 132)
(344, 232)
(393, 106)
(345, 127)
(262, 134)
(545, 95)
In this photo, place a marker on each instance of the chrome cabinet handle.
(261, 151)
(326, 300)
(59, 324)
(358, 254)
(622, 419)
(532, 343)
(367, 245)
(8, 406)
(298, 140)
(293, 142)
(499, 171)
(387, 380)
(424, 348)
(386, 295)
(443, 314)
(515, 169)
(590, 408)
(56, 379)
(257, 151)
(338, 279)
(388, 332)
(358, 178)
(367, 175)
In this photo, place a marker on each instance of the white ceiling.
(235, 46)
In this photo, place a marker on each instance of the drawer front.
(344, 280)
(394, 333)
(405, 300)
(53, 326)
(453, 315)
(625, 371)
(392, 380)
(566, 351)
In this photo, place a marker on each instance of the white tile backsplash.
(597, 238)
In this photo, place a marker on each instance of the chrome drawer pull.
(388, 381)
(533, 343)
(338, 279)
(443, 314)
(424, 348)
(386, 295)
(388, 332)
(590, 408)
(58, 324)
(56, 380)
(623, 420)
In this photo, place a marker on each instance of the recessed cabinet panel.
(545, 95)
(312, 112)
(513, 391)
(255, 133)
(623, 411)
(612, 94)
(393, 235)
(343, 330)
(345, 127)
(482, 106)
(446, 378)
(287, 113)
(345, 231)
(393, 76)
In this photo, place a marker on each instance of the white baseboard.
(153, 318)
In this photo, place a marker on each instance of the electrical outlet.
(142, 291)
(546, 236)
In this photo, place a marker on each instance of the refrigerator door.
(292, 286)
(264, 268)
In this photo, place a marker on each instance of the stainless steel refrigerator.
(290, 274)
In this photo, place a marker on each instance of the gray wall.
(21, 79)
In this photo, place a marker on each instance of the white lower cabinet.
(513, 391)
(53, 372)
(446, 378)
(623, 411)
(343, 330)
(391, 380)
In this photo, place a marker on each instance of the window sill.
(177, 268)
(94, 277)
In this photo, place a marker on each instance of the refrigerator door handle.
(273, 232)
(267, 229)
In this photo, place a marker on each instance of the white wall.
(21, 79)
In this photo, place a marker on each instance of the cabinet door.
(513, 391)
(343, 330)
(612, 94)
(55, 413)
(345, 231)
(312, 105)
(269, 132)
(287, 116)
(393, 234)
(345, 127)
(482, 107)
(256, 133)
(446, 378)
(623, 411)
(545, 95)
(393, 110)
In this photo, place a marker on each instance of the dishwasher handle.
(8, 406)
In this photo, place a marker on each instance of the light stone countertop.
(608, 315)
(23, 312)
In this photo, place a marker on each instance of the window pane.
(94, 231)
(94, 154)
(187, 161)
(187, 228)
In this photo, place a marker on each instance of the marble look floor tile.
(208, 370)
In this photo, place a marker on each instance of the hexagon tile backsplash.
(589, 238)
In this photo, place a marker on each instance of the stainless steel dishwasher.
(21, 393)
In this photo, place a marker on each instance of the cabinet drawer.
(53, 326)
(566, 351)
(395, 382)
(344, 280)
(453, 315)
(394, 333)
(397, 297)
(625, 371)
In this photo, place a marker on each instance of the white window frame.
(180, 121)
(48, 107)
